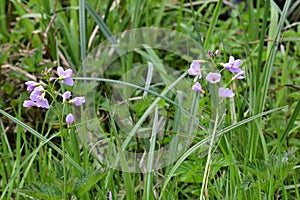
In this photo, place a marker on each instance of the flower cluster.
(232, 66)
(213, 54)
(38, 92)
(37, 96)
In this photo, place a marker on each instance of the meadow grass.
(246, 148)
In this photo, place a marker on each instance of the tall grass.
(252, 154)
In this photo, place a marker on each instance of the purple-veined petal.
(233, 65)
(35, 97)
(225, 92)
(69, 119)
(213, 77)
(77, 101)
(237, 63)
(239, 75)
(60, 71)
(43, 103)
(68, 73)
(30, 85)
(197, 87)
(38, 90)
(231, 59)
(67, 95)
(28, 103)
(195, 69)
(235, 70)
(68, 81)
(192, 72)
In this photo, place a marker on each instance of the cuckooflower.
(239, 75)
(233, 65)
(195, 69)
(197, 87)
(65, 76)
(225, 92)
(38, 91)
(37, 98)
(29, 103)
(213, 77)
(31, 85)
(66, 95)
(77, 101)
(69, 119)
(40, 101)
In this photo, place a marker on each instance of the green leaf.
(40, 190)
(86, 182)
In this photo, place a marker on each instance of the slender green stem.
(64, 163)
(207, 167)
(64, 154)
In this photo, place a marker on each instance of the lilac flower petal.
(67, 95)
(227, 66)
(239, 75)
(28, 103)
(225, 92)
(30, 85)
(231, 59)
(35, 97)
(77, 101)
(110, 195)
(64, 73)
(197, 87)
(237, 63)
(68, 73)
(68, 81)
(192, 72)
(60, 71)
(213, 77)
(52, 78)
(43, 103)
(69, 119)
(65, 76)
(233, 65)
(235, 70)
(195, 69)
(38, 90)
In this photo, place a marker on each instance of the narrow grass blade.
(261, 42)
(289, 126)
(30, 159)
(82, 31)
(253, 23)
(265, 78)
(3, 25)
(148, 79)
(203, 142)
(150, 164)
(103, 27)
(41, 137)
(212, 24)
(197, 28)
